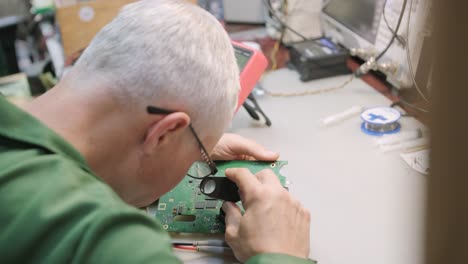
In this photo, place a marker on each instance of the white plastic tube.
(340, 117)
(393, 139)
(420, 142)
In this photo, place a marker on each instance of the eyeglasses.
(200, 169)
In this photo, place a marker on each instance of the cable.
(404, 102)
(274, 52)
(227, 251)
(408, 55)
(206, 246)
(193, 177)
(399, 38)
(215, 243)
(182, 244)
(274, 63)
(414, 106)
(370, 63)
(357, 73)
(191, 248)
(255, 109)
(273, 12)
(210, 242)
(310, 92)
(395, 34)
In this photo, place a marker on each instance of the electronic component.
(212, 204)
(199, 205)
(201, 213)
(252, 63)
(161, 206)
(318, 58)
(179, 209)
(360, 16)
(369, 26)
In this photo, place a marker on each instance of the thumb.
(232, 220)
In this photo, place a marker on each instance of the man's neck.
(89, 123)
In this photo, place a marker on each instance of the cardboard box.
(80, 22)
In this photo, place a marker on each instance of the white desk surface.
(367, 206)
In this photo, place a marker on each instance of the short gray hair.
(167, 53)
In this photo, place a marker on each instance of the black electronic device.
(220, 188)
(318, 58)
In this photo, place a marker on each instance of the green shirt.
(54, 209)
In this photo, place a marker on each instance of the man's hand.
(273, 222)
(235, 147)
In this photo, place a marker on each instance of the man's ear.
(159, 130)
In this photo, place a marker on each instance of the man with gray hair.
(152, 93)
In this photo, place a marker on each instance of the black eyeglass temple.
(158, 111)
(205, 153)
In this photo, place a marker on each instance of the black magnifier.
(220, 188)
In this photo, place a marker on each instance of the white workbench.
(367, 206)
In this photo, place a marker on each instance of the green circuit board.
(185, 209)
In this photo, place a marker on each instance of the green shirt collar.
(17, 125)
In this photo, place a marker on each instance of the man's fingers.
(232, 219)
(268, 177)
(249, 147)
(244, 179)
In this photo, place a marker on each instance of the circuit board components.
(186, 209)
